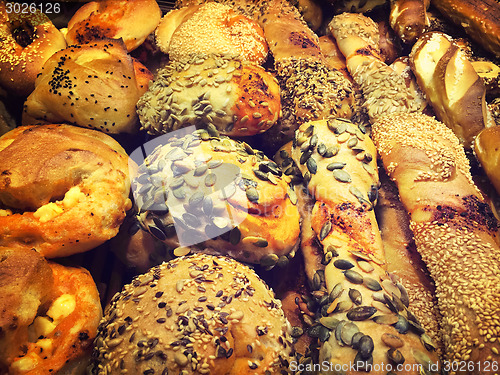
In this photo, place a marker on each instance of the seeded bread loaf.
(384, 90)
(55, 332)
(200, 314)
(451, 85)
(211, 28)
(95, 85)
(454, 230)
(366, 320)
(310, 89)
(201, 192)
(238, 98)
(129, 20)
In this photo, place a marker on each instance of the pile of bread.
(283, 187)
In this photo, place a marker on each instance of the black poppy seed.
(158, 294)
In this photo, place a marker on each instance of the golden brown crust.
(238, 98)
(344, 184)
(26, 42)
(451, 85)
(92, 85)
(229, 199)
(227, 323)
(408, 18)
(45, 200)
(454, 230)
(479, 18)
(213, 28)
(130, 20)
(487, 150)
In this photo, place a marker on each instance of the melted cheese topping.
(62, 307)
(51, 210)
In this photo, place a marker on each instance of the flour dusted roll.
(200, 314)
(239, 98)
(93, 85)
(454, 230)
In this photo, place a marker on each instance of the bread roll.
(93, 86)
(454, 232)
(408, 18)
(129, 20)
(199, 314)
(238, 98)
(54, 176)
(451, 85)
(487, 151)
(26, 42)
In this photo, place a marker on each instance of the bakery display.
(26, 42)
(129, 20)
(49, 315)
(93, 85)
(205, 314)
(55, 175)
(196, 156)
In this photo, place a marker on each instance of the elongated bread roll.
(451, 85)
(366, 320)
(408, 18)
(454, 232)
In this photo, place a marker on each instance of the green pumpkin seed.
(311, 165)
(309, 131)
(329, 322)
(196, 199)
(336, 292)
(347, 332)
(355, 296)
(210, 179)
(325, 230)
(341, 175)
(321, 149)
(331, 151)
(388, 319)
(269, 260)
(234, 236)
(372, 284)
(335, 165)
(352, 142)
(343, 264)
(200, 170)
(179, 193)
(353, 276)
(252, 194)
(261, 175)
(361, 313)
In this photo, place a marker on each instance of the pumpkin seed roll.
(239, 98)
(454, 230)
(194, 315)
(219, 196)
(365, 318)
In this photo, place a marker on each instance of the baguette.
(479, 18)
(365, 315)
(454, 231)
(385, 90)
(408, 18)
(451, 85)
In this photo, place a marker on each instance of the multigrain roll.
(199, 314)
(211, 28)
(130, 20)
(26, 42)
(49, 314)
(96, 85)
(219, 195)
(63, 189)
(238, 98)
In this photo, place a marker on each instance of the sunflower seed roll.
(454, 230)
(366, 319)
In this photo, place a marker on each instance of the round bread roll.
(26, 42)
(96, 85)
(239, 98)
(211, 28)
(199, 314)
(63, 189)
(487, 150)
(130, 20)
(197, 192)
(49, 314)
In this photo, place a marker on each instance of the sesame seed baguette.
(365, 316)
(310, 89)
(408, 18)
(454, 231)
(451, 85)
(384, 89)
